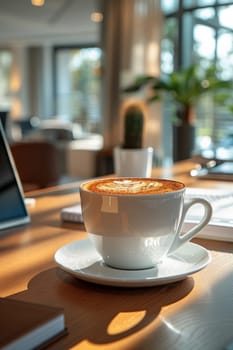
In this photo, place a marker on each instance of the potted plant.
(132, 158)
(133, 121)
(184, 88)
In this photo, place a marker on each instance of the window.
(168, 45)
(78, 86)
(5, 70)
(201, 31)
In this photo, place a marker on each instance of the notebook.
(13, 210)
(219, 228)
(28, 325)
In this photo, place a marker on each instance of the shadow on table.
(88, 306)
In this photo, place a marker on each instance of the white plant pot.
(133, 162)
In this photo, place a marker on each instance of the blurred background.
(64, 64)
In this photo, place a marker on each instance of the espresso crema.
(133, 186)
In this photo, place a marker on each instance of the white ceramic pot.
(133, 162)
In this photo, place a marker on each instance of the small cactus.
(133, 126)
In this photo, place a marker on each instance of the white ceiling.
(56, 21)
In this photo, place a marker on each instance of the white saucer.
(82, 261)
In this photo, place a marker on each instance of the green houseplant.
(131, 158)
(133, 121)
(184, 87)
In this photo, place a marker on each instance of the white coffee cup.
(135, 230)
(133, 162)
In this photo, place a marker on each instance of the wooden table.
(196, 313)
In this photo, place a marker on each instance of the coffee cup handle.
(180, 239)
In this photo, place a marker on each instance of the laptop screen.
(13, 210)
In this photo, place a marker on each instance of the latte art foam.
(128, 186)
(133, 186)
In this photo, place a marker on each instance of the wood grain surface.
(196, 313)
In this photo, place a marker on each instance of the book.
(28, 325)
(220, 226)
(72, 213)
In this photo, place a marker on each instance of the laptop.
(13, 210)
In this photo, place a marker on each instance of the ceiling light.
(37, 2)
(97, 17)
